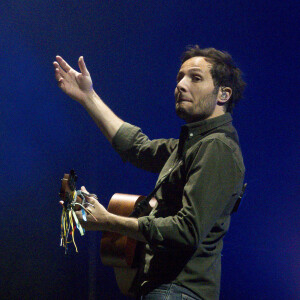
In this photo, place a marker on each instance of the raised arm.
(79, 87)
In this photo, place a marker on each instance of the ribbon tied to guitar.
(72, 200)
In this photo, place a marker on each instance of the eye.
(178, 78)
(196, 77)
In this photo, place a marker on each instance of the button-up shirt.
(204, 174)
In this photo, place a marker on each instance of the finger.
(90, 214)
(82, 66)
(90, 197)
(92, 200)
(58, 69)
(60, 80)
(63, 63)
(61, 84)
(58, 75)
(61, 203)
(79, 215)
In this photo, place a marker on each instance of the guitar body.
(119, 251)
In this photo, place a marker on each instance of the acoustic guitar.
(116, 250)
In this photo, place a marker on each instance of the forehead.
(197, 62)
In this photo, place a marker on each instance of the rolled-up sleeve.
(134, 146)
(213, 180)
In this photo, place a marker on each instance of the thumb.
(89, 197)
(83, 189)
(82, 66)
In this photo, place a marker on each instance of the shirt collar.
(201, 127)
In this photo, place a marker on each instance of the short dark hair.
(224, 72)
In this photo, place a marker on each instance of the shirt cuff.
(124, 138)
(150, 232)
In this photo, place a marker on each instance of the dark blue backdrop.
(132, 50)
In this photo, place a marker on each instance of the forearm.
(102, 115)
(99, 219)
(125, 226)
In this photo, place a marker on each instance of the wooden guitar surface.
(119, 251)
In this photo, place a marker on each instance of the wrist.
(110, 222)
(89, 97)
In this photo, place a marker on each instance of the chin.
(189, 117)
(181, 113)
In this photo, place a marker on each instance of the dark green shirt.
(185, 230)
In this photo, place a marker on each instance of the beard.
(203, 109)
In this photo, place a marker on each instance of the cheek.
(176, 92)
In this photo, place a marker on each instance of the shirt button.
(191, 134)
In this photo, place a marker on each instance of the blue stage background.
(132, 51)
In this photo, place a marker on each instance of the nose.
(181, 85)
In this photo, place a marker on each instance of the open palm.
(74, 84)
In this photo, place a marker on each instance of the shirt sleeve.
(134, 146)
(211, 189)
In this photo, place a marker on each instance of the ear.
(224, 95)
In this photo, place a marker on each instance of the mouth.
(182, 98)
(179, 100)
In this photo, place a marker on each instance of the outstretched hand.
(76, 85)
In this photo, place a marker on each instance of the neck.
(216, 113)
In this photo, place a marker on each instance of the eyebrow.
(190, 70)
(196, 69)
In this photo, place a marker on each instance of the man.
(203, 174)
